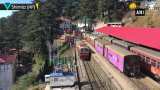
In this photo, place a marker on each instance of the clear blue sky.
(5, 13)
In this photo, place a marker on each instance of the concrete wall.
(6, 76)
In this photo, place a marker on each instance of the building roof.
(144, 36)
(62, 74)
(7, 58)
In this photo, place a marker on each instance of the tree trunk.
(50, 48)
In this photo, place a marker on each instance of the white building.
(7, 71)
(66, 25)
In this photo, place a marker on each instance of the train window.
(142, 58)
(136, 52)
(159, 64)
(148, 60)
(139, 54)
(153, 63)
(156, 64)
(85, 50)
(133, 51)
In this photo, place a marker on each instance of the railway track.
(90, 76)
(94, 79)
(97, 77)
(106, 80)
(143, 83)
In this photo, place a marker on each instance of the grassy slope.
(150, 19)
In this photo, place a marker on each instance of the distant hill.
(151, 19)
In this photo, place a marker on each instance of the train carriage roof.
(62, 74)
(121, 51)
(101, 41)
(123, 43)
(84, 47)
(108, 38)
(147, 51)
(139, 35)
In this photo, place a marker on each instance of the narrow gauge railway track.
(90, 76)
(106, 80)
(144, 83)
(98, 77)
(94, 79)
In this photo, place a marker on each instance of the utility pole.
(85, 23)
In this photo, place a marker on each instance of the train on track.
(125, 55)
(84, 52)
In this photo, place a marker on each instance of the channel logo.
(139, 12)
(132, 6)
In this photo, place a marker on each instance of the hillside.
(151, 18)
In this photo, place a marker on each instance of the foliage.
(88, 8)
(39, 63)
(64, 48)
(35, 31)
(71, 8)
(30, 78)
(25, 81)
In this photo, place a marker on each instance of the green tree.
(71, 8)
(88, 11)
(42, 28)
(88, 8)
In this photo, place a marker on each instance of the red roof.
(7, 58)
(145, 36)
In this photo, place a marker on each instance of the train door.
(132, 65)
(85, 53)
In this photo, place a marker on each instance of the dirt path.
(68, 53)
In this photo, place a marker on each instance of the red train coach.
(150, 60)
(84, 52)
